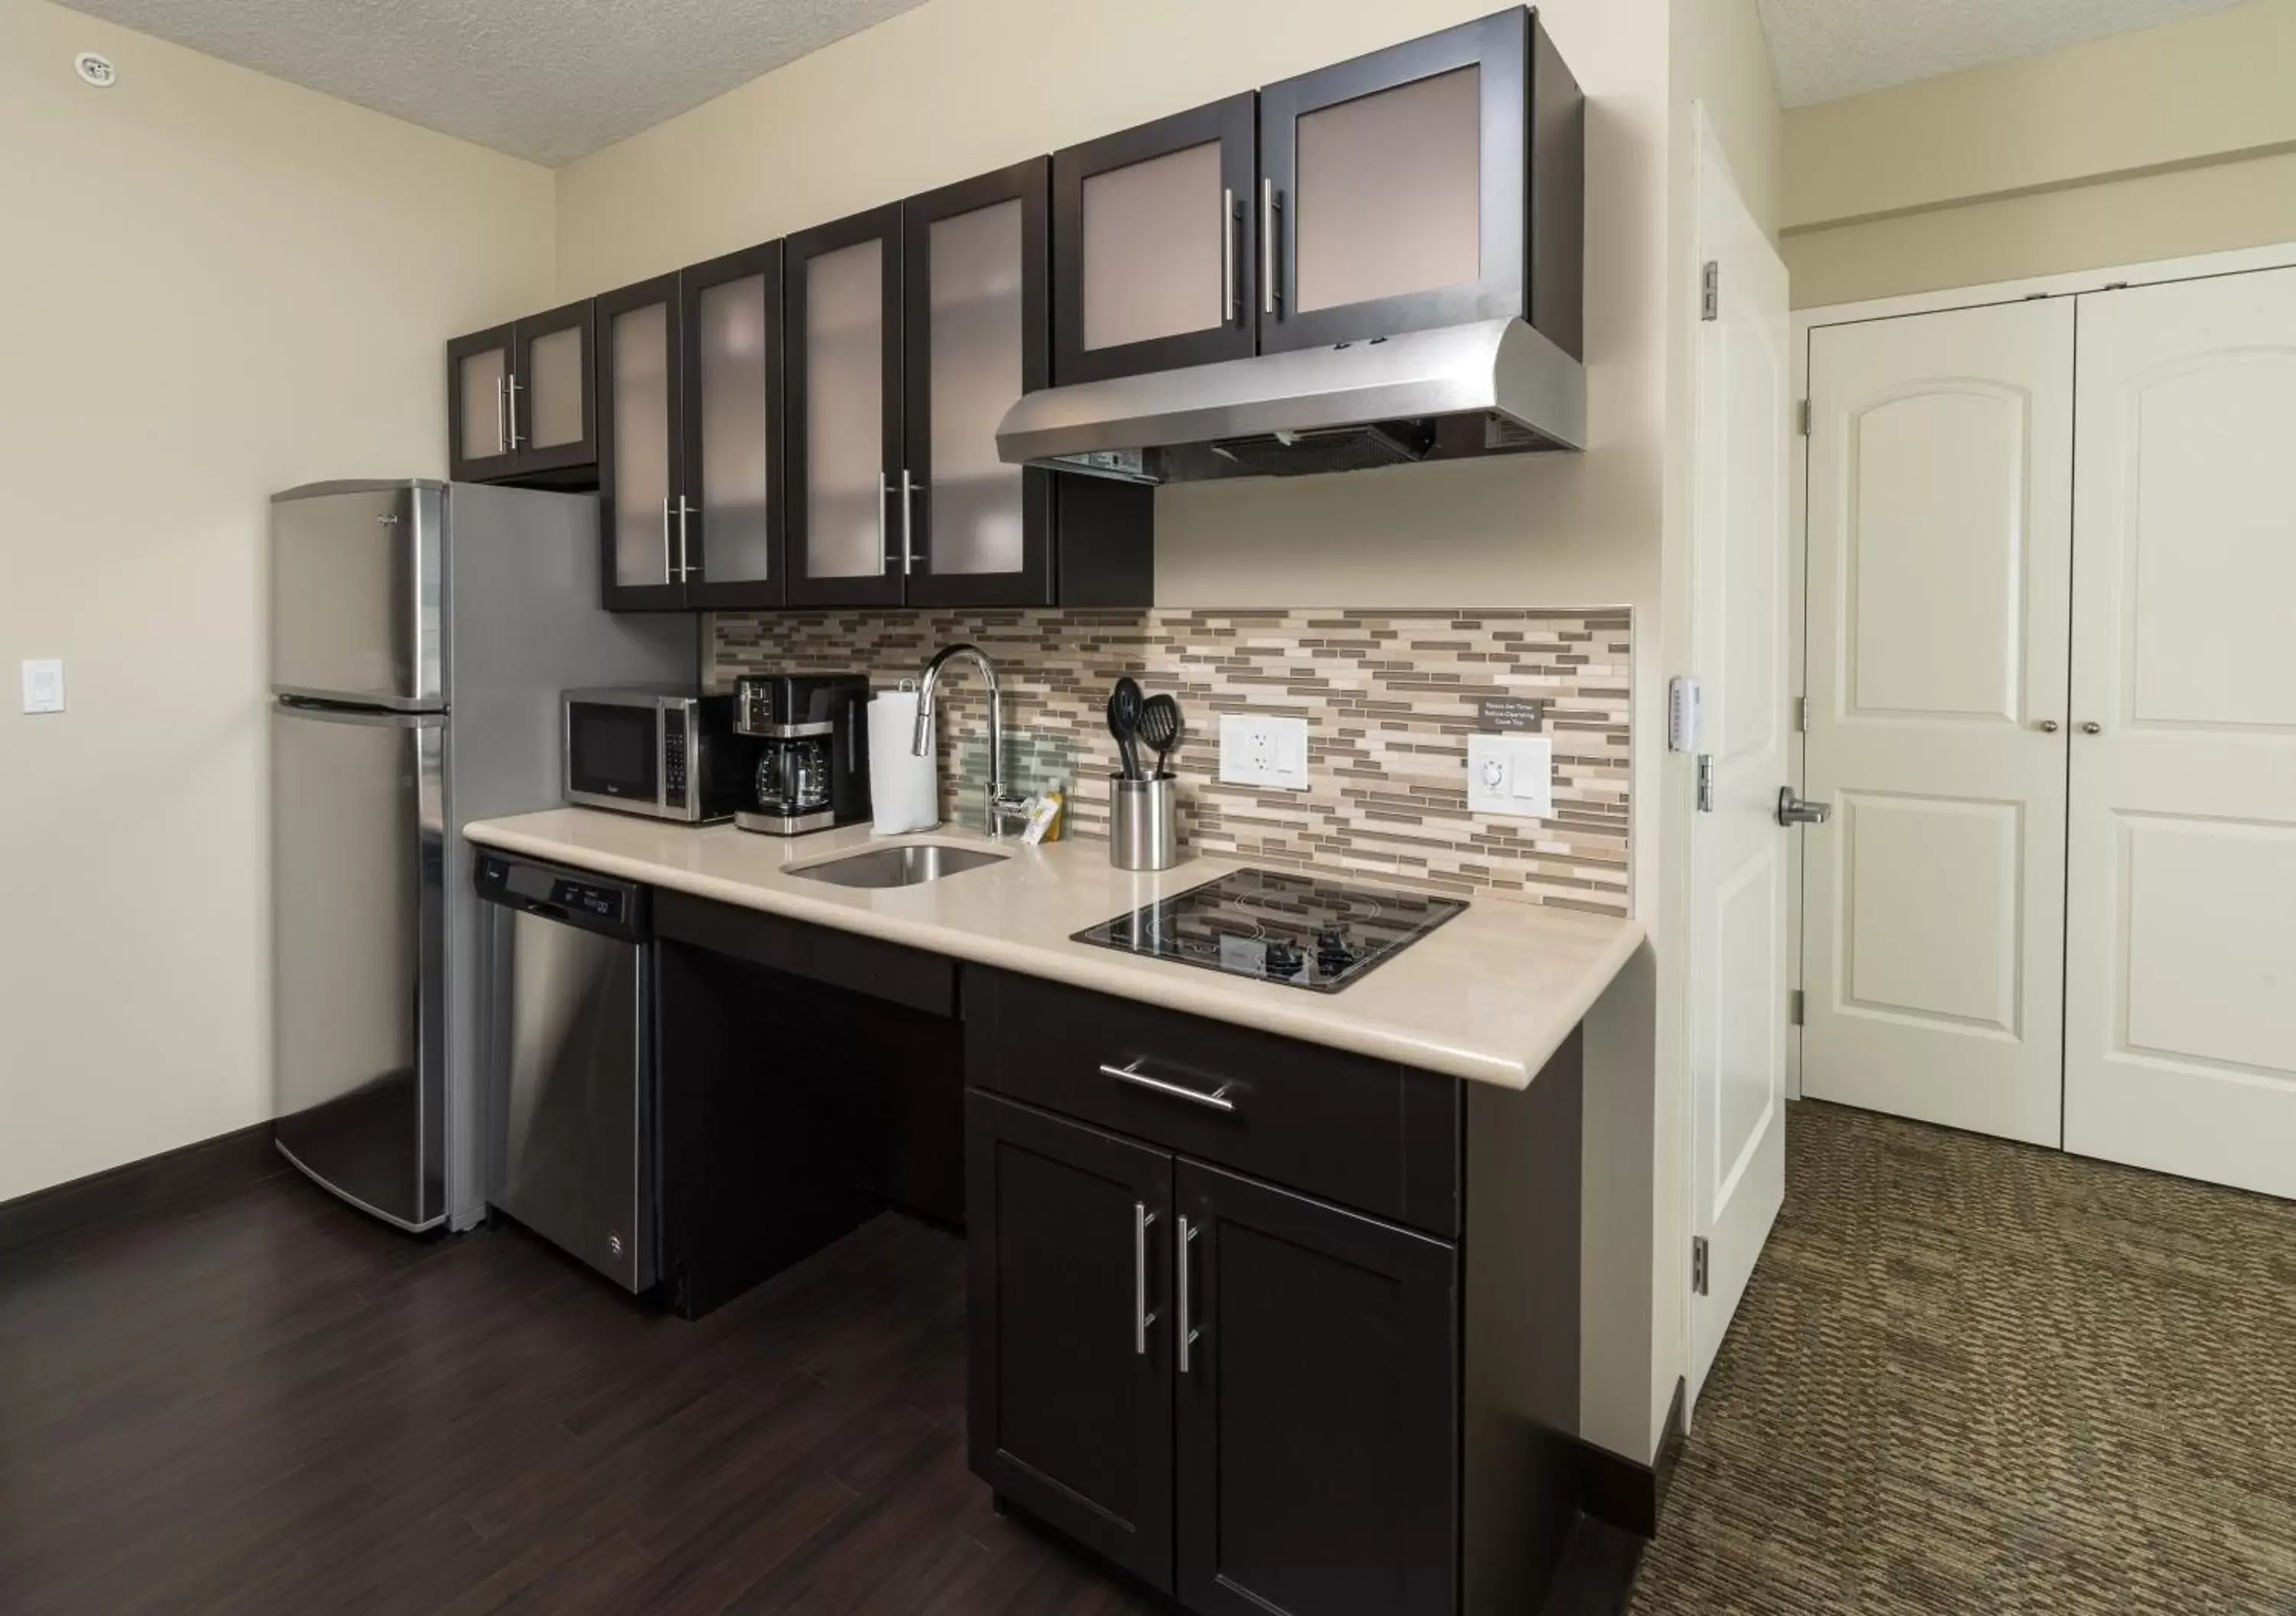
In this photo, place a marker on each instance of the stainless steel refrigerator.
(421, 633)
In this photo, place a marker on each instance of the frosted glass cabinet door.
(637, 442)
(551, 406)
(977, 337)
(1156, 230)
(1433, 184)
(843, 297)
(732, 450)
(477, 404)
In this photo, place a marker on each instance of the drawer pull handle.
(1218, 1100)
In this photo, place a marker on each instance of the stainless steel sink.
(910, 866)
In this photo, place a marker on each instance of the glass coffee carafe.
(793, 777)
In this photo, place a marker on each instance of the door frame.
(2154, 272)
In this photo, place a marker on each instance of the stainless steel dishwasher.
(569, 1068)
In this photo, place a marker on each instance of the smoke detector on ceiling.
(96, 70)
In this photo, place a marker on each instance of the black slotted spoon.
(1160, 726)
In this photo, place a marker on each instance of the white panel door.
(2180, 1003)
(1941, 486)
(1739, 853)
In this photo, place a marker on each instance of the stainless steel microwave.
(660, 750)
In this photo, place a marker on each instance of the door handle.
(513, 410)
(1793, 811)
(502, 432)
(684, 565)
(2046, 726)
(669, 568)
(1217, 1099)
(1141, 1316)
(1187, 1330)
(2091, 728)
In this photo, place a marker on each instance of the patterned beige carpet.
(1970, 1376)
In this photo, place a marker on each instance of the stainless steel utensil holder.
(1144, 822)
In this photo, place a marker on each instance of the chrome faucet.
(1003, 809)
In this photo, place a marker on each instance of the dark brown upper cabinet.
(731, 475)
(912, 330)
(521, 402)
(1156, 245)
(847, 507)
(641, 402)
(690, 443)
(1433, 184)
(976, 259)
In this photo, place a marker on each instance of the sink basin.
(910, 866)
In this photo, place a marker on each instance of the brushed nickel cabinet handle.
(1218, 1100)
(684, 561)
(669, 567)
(2047, 726)
(502, 432)
(1187, 1330)
(1141, 1316)
(1230, 311)
(1267, 210)
(513, 409)
(2091, 728)
(908, 523)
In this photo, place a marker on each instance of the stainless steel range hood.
(1497, 387)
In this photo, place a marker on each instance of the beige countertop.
(1489, 996)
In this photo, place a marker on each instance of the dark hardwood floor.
(269, 1403)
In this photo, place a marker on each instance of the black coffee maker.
(804, 742)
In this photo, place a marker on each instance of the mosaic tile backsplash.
(1390, 697)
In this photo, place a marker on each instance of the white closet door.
(2181, 987)
(1739, 853)
(1941, 483)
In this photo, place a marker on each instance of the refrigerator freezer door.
(358, 829)
(357, 603)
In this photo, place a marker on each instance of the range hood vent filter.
(1327, 449)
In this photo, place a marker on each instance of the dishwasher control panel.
(521, 884)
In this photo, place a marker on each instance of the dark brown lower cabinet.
(1070, 1405)
(1287, 1330)
(1316, 1432)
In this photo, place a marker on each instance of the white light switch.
(1257, 749)
(44, 686)
(1511, 775)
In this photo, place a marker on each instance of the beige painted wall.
(215, 285)
(2175, 140)
(901, 107)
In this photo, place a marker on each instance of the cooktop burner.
(1296, 929)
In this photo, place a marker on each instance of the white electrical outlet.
(44, 686)
(1511, 775)
(1257, 749)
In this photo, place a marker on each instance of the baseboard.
(173, 1180)
(1627, 1493)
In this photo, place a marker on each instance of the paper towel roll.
(903, 790)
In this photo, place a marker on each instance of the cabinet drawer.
(1366, 1133)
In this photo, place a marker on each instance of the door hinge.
(1804, 422)
(1698, 1265)
(1705, 782)
(1802, 715)
(1794, 1008)
(1710, 290)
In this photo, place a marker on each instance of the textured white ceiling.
(1823, 49)
(550, 80)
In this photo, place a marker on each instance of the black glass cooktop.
(1300, 930)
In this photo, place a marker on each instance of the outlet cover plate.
(1259, 749)
(1513, 775)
